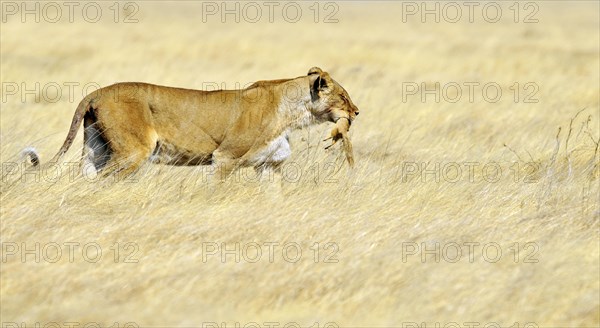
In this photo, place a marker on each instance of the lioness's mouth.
(344, 118)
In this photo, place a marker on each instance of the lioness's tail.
(32, 154)
(83, 107)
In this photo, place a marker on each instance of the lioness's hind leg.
(125, 161)
(131, 138)
(124, 166)
(129, 153)
(96, 152)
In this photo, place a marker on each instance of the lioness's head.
(330, 100)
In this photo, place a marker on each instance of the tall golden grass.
(523, 187)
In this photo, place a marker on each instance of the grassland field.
(474, 199)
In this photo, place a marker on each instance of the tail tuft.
(31, 154)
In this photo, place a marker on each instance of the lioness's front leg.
(223, 164)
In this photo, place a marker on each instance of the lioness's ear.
(319, 81)
(315, 70)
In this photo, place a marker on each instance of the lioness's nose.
(356, 113)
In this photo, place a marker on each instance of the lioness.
(126, 124)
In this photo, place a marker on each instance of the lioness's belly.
(172, 154)
(276, 151)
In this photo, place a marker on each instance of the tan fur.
(128, 123)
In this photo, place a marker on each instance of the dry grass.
(370, 213)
